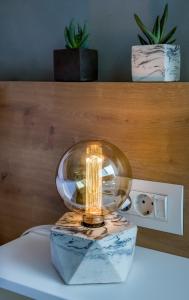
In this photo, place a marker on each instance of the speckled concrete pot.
(156, 63)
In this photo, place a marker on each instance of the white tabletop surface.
(25, 268)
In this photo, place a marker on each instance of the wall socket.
(156, 205)
(149, 204)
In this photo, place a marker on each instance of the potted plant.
(157, 58)
(76, 62)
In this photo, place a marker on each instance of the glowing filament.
(94, 180)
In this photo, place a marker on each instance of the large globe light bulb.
(94, 179)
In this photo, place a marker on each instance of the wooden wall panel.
(39, 121)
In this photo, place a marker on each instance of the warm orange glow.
(94, 180)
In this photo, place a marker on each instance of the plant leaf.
(163, 20)
(79, 29)
(67, 39)
(172, 41)
(72, 34)
(166, 38)
(84, 28)
(75, 35)
(84, 37)
(142, 41)
(154, 30)
(150, 36)
(157, 32)
(83, 40)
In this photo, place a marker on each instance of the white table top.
(25, 268)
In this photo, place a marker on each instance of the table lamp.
(93, 243)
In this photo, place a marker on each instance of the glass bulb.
(94, 179)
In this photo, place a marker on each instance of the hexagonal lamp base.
(84, 255)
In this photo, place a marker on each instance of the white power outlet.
(148, 205)
(156, 205)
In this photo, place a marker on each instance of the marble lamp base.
(84, 255)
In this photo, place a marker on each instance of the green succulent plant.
(76, 36)
(157, 35)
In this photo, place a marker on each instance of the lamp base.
(84, 255)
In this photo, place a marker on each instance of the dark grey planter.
(75, 65)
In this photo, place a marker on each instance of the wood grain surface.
(39, 121)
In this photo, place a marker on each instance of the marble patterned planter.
(84, 255)
(156, 63)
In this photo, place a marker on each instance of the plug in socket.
(144, 205)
